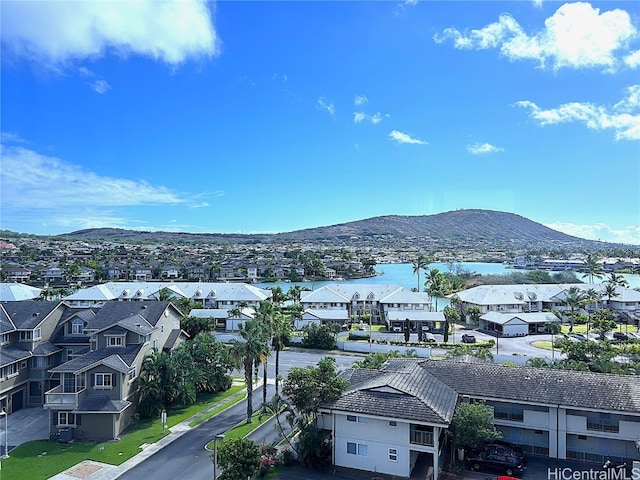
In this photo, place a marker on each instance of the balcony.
(418, 436)
(57, 398)
(515, 416)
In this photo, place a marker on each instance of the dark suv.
(468, 338)
(493, 459)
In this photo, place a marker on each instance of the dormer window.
(30, 335)
(115, 341)
(77, 327)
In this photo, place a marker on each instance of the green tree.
(451, 316)
(421, 262)
(239, 459)
(603, 322)
(266, 313)
(307, 388)
(472, 425)
(592, 267)
(319, 336)
(537, 362)
(475, 312)
(617, 280)
(574, 298)
(281, 335)
(435, 284)
(195, 325)
(249, 351)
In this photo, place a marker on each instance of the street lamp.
(219, 436)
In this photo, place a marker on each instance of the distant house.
(19, 274)
(170, 272)
(385, 304)
(18, 291)
(536, 298)
(53, 274)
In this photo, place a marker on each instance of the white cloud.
(96, 83)
(324, 104)
(57, 33)
(577, 35)
(359, 117)
(623, 118)
(29, 181)
(600, 231)
(483, 148)
(400, 137)
(360, 100)
(633, 59)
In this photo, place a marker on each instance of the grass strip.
(243, 428)
(42, 459)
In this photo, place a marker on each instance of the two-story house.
(26, 352)
(94, 397)
(384, 304)
(394, 420)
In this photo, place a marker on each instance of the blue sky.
(256, 117)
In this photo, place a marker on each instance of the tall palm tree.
(281, 333)
(249, 351)
(294, 294)
(574, 298)
(421, 262)
(617, 280)
(592, 267)
(592, 296)
(266, 313)
(610, 290)
(436, 284)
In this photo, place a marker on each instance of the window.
(393, 454)
(357, 449)
(37, 334)
(393, 424)
(353, 418)
(4, 338)
(25, 335)
(102, 381)
(132, 373)
(161, 328)
(115, 341)
(66, 418)
(77, 327)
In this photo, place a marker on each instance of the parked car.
(620, 336)
(468, 338)
(503, 447)
(488, 459)
(578, 336)
(428, 337)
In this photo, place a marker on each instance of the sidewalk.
(92, 470)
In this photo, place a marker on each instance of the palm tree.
(592, 296)
(592, 267)
(574, 298)
(616, 280)
(265, 313)
(435, 284)
(418, 263)
(294, 294)
(610, 290)
(248, 352)
(281, 334)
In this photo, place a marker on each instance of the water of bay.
(401, 274)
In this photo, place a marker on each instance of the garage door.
(17, 401)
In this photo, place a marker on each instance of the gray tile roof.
(114, 311)
(125, 356)
(101, 404)
(11, 354)
(172, 339)
(573, 389)
(46, 348)
(400, 389)
(6, 325)
(28, 314)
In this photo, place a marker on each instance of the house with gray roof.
(10, 292)
(543, 297)
(26, 351)
(386, 304)
(394, 420)
(91, 394)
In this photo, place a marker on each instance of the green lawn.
(544, 344)
(243, 428)
(42, 459)
(576, 328)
